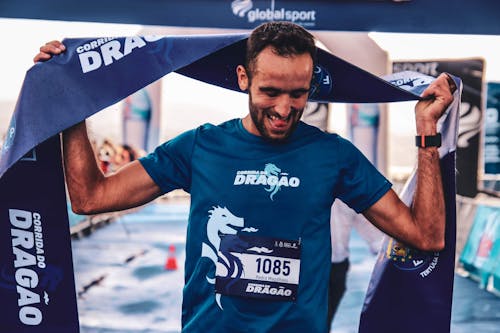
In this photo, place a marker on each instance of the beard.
(262, 116)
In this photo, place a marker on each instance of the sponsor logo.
(9, 136)
(321, 83)
(271, 176)
(408, 259)
(29, 257)
(241, 7)
(9, 140)
(104, 51)
(245, 9)
(428, 68)
(412, 82)
(286, 245)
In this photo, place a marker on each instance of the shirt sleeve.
(169, 165)
(362, 184)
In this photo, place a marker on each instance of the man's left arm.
(422, 225)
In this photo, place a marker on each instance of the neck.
(249, 125)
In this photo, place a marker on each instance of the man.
(258, 238)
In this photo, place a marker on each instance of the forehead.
(270, 66)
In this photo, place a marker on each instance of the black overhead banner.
(471, 113)
(411, 16)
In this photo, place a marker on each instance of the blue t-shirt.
(242, 185)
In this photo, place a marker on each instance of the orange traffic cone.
(171, 264)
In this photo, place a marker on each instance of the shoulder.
(228, 125)
(203, 132)
(311, 133)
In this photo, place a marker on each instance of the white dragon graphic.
(221, 221)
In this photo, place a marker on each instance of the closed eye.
(298, 93)
(273, 92)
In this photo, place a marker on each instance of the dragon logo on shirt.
(272, 170)
(222, 221)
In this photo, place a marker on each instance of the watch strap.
(423, 141)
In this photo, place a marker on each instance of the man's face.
(277, 92)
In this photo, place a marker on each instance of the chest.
(280, 189)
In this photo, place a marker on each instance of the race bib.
(258, 267)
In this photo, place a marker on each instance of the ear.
(241, 73)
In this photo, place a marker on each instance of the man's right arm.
(89, 189)
(93, 192)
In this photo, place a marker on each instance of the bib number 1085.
(274, 266)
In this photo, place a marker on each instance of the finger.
(48, 50)
(53, 47)
(41, 57)
(451, 83)
(57, 44)
(431, 91)
(443, 86)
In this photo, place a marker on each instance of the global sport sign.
(270, 12)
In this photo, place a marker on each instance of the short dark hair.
(285, 38)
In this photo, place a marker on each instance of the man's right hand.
(48, 50)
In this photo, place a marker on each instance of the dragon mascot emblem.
(222, 221)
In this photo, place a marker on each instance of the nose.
(283, 106)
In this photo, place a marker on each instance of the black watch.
(428, 140)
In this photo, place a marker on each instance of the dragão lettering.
(105, 51)
(257, 288)
(258, 178)
(271, 176)
(27, 247)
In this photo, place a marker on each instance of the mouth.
(277, 117)
(278, 122)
